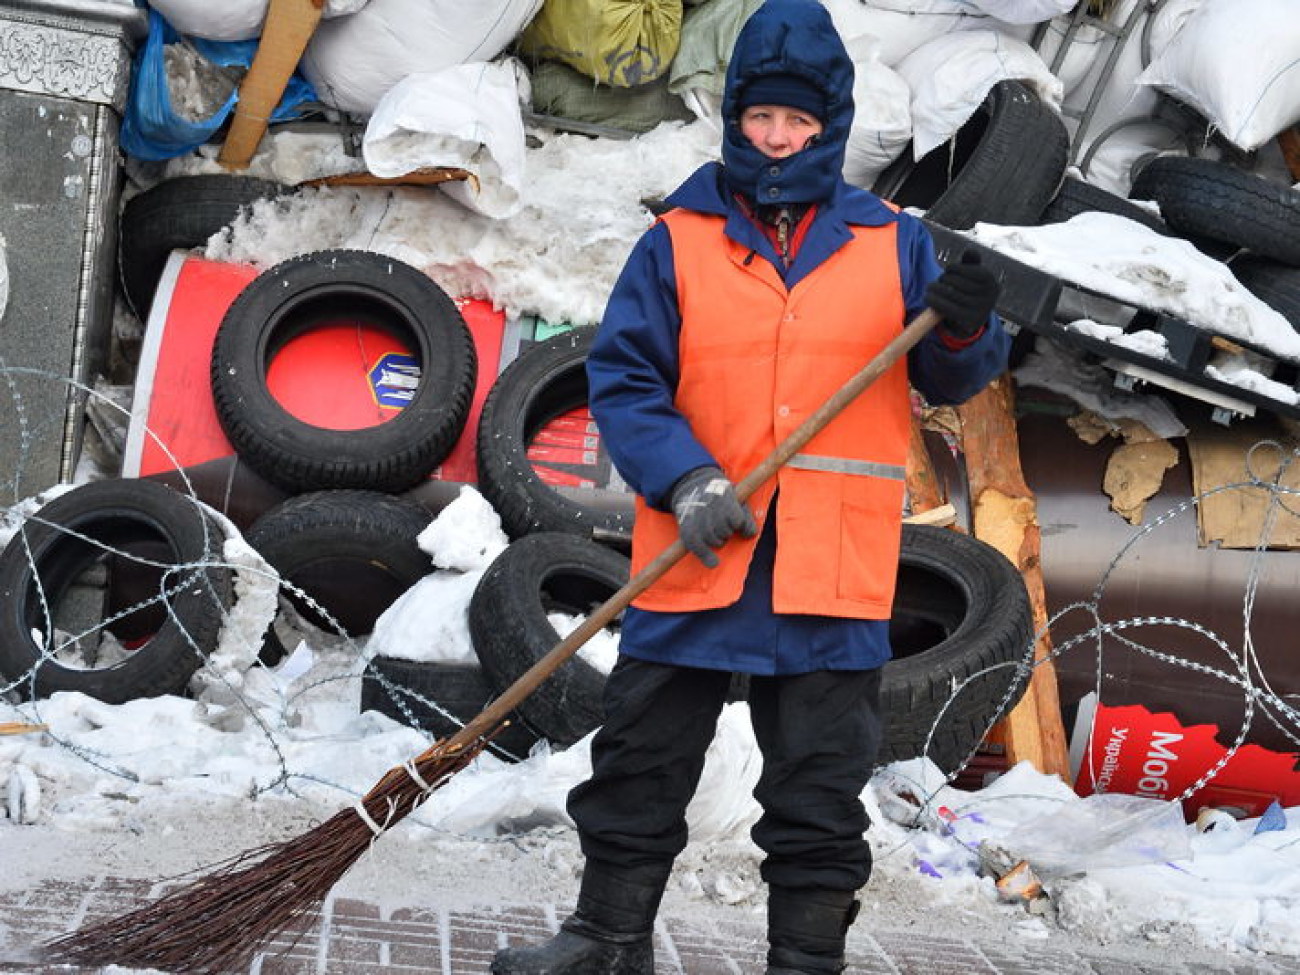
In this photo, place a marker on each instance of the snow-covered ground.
(154, 787)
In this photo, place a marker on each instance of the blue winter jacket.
(632, 368)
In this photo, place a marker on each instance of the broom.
(218, 922)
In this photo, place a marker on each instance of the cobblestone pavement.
(355, 938)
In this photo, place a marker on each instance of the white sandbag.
(1025, 11)
(354, 61)
(468, 117)
(901, 26)
(882, 114)
(1237, 62)
(232, 20)
(951, 75)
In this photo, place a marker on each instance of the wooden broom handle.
(602, 615)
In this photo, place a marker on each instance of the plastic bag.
(466, 117)
(1103, 830)
(152, 129)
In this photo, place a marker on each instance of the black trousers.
(818, 734)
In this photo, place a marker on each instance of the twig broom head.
(219, 922)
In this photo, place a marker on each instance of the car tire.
(538, 574)
(545, 381)
(178, 213)
(439, 699)
(57, 571)
(1077, 196)
(961, 625)
(350, 554)
(1207, 198)
(1275, 284)
(985, 172)
(303, 293)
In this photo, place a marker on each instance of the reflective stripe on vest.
(755, 361)
(846, 465)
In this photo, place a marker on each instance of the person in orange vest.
(745, 306)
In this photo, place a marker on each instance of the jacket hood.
(795, 37)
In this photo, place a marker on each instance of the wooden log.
(1005, 516)
(923, 491)
(288, 27)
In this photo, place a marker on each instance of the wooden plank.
(1288, 141)
(288, 27)
(426, 176)
(1005, 516)
(19, 728)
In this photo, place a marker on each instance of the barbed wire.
(1242, 669)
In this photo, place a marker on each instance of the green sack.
(623, 43)
(708, 34)
(560, 91)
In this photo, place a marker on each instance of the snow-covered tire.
(1077, 196)
(1216, 200)
(58, 567)
(538, 574)
(1003, 165)
(439, 699)
(178, 213)
(1275, 284)
(304, 293)
(961, 612)
(546, 381)
(352, 553)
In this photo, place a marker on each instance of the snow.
(283, 744)
(266, 752)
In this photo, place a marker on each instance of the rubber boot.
(806, 928)
(610, 933)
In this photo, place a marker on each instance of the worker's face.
(777, 130)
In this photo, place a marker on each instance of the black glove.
(708, 512)
(964, 295)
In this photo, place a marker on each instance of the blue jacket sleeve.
(632, 373)
(942, 374)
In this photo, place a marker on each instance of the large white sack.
(354, 61)
(1025, 11)
(467, 117)
(951, 75)
(901, 26)
(1237, 62)
(882, 114)
(232, 20)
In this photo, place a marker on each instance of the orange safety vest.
(755, 361)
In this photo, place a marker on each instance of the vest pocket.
(870, 521)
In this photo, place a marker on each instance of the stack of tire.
(345, 539)
(962, 621)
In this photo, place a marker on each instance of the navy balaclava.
(788, 46)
